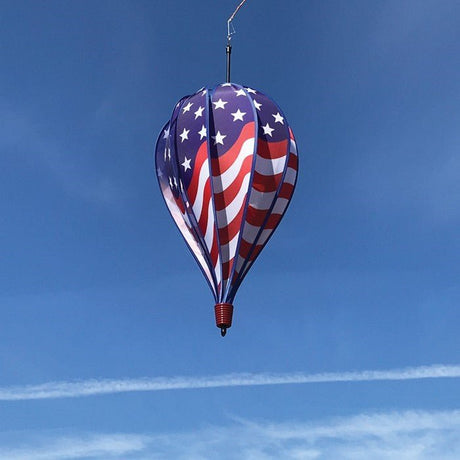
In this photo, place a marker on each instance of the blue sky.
(97, 286)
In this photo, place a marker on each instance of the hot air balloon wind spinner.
(226, 164)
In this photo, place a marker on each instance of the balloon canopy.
(226, 164)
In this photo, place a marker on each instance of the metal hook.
(230, 32)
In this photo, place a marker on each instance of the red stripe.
(226, 268)
(266, 183)
(222, 163)
(214, 253)
(293, 161)
(257, 221)
(200, 158)
(255, 216)
(245, 247)
(230, 230)
(286, 191)
(272, 150)
(273, 220)
(180, 204)
(223, 199)
(234, 277)
(255, 253)
(203, 217)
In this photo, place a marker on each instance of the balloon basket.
(224, 313)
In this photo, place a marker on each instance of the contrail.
(76, 389)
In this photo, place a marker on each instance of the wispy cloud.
(404, 435)
(53, 390)
(71, 447)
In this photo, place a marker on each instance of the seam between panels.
(229, 287)
(209, 93)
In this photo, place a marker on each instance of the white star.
(202, 133)
(166, 133)
(219, 138)
(226, 84)
(278, 118)
(167, 153)
(268, 129)
(220, 104)
(171, 182)
(187, 107)
(257, 105)
(184, 134)
(203, 93)
(250, 90)
(238, 115)
(175, 181)
(199, 112)
(159, 172)
(186, 164)
(240, 92)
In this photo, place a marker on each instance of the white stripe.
(224, 180)
(293, 147)
(229, 249)
(239, 263)
(198, 204)
(258, 199)
(264, 236)
(208, 237)
(250, 232)
(65, 389)
(269, 167)
(218, 270)
(280, 205)
(290, 176)
(226, 215)
(250, 237)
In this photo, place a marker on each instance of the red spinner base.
(224, 313)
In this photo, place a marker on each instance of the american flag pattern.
(227, 166)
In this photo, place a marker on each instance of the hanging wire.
(230, 32)
(230, 28)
